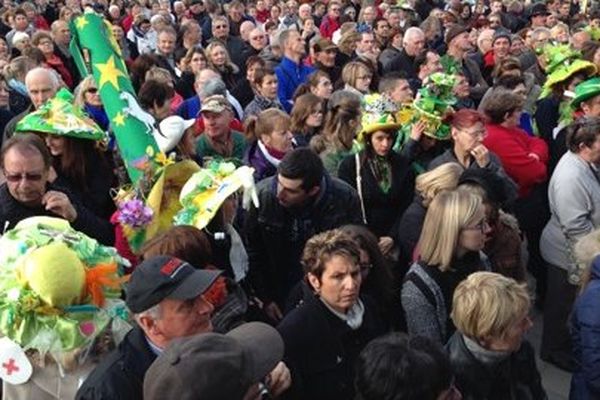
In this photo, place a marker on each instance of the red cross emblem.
(10, 366)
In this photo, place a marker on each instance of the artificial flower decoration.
(204, 193)
(378, 113)
(59, 289)
(562, 62)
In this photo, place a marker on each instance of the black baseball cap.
(161, 277)
(538, 9)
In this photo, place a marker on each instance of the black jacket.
(515, 378)
(275, 235)
(12, 211)
(409, 227)
(121, 374)
(383, 210)
(403, 62)
(321, 349)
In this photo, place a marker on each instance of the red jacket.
(513, 146)
(328, 26)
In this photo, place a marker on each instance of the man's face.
(40, 88)
(166, 43)
(236, 13)
(193, 34)
(501, 47)
(564, 9)
(217, 124)
(414, 44)
(258, 39)
(290, 193)
(180, 318)
(366, 42)
(295, 44)
(402, 93)
(26, 176)
(538, 20)
(220, 29)
(383, 29)
(463, 42)
(496, 7)
(62, 34)
(394, 19)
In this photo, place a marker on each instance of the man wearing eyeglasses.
(25, 162)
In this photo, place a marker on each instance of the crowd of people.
(427, 173)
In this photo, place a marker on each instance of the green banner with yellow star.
(96, 52)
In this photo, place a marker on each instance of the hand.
(273, 311)
(417, 130)
(386, 244)
(59, 204)
(279, 380)
(481, 155)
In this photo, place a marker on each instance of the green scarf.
(382, 171)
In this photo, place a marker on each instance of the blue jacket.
(585, 335)
(290, 75)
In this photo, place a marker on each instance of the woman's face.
(92, 97)
(3, 47)
(275, 13)
(309, 25)
(466, 139)
(363, 80)
(517, 47)
(561, 36)
(56, 144)
(23, 44)
(67, 15)
(382, 143)
(472, 237)
(251, 72)
(315, 118)
(339, 285)
(218, 56)
(280, 140)
(268, 88)
(46, 46)
(323, 89)
(369, 15)
(197, 63)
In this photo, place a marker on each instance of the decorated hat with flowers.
(434, 101)
(562, 62)
(378, 114)
(59, 289)
(204, 193)
(59, 116)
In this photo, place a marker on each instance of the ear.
(314, 282)
(453, 133)
(149, 326)
(314, 190)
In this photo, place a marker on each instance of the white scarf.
(354, 315)
(265, 152)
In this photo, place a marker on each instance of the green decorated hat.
(379, 114)
(585, 91)
(59, 116)
(562, 62)
(434, 101)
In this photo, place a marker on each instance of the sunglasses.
(92, 90)
(34, 177)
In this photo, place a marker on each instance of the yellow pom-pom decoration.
(55, 273)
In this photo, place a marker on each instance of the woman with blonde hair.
(219, 59)
(450, 247)
(15, 72)
(428, 185)
(88, 98)
(341, 126)
(270, 139)
(347, 46)
(488, 353)
(357, 78)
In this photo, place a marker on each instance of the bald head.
(245, 28)
(42, 84)
(61, 33)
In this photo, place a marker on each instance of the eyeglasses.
(257, 37)
(34, 177)
(220, 26)
(45, 43)
(481, 226)
(476, 134)
(364, 77)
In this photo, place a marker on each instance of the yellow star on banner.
(81, 22)
(119, 119)
(109, 73)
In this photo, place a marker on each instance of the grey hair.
(535, 34)
(212, 87)
(153, 312)
(48, 72)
